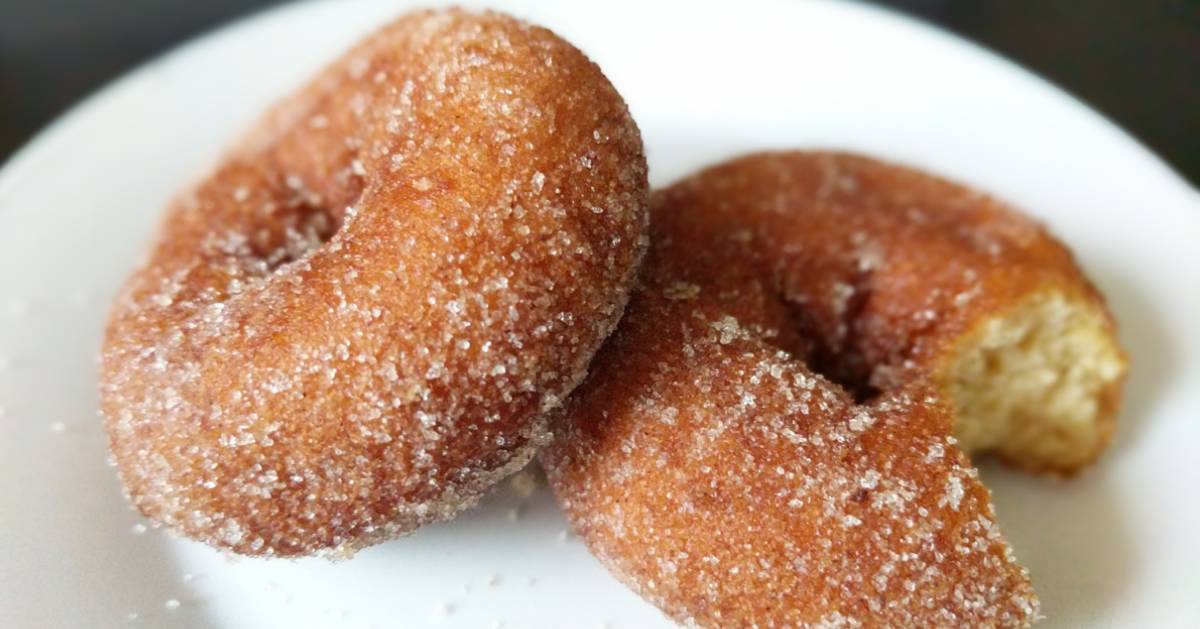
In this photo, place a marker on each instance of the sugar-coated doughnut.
(767, 440)
(357, 324)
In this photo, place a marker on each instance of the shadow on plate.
(1153, 360)
(1072, 534)
(127, 577)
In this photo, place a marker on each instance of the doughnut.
(777, 433)
(361, 319)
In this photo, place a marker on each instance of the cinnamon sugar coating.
(764, 441)
(357, 324)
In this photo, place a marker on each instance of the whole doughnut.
(713, 461)
(356, 325)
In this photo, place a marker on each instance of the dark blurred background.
(1137, 61)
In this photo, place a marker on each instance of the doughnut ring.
(359, 322)
(768, 439)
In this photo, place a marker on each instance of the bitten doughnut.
(768, 438)
(357, 324)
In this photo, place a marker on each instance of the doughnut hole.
(1037, 385)
(838, 357)
(301, 229)
(270, 218)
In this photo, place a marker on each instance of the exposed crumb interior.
(710, 468)
(1037, 385)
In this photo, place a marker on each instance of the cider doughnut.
(767, 440)
(358, 323)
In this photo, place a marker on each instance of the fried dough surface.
(768, 439)
(356, 324)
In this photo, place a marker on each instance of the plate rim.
(48, 141)
(27, 151)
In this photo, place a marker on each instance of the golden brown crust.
(357, 323)
(712, 469)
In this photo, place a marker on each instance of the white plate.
(1116, 547)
